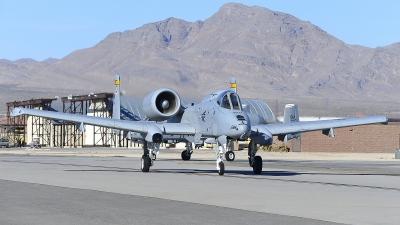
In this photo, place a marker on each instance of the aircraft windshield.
(230, 101)
(225, 103)
(235, 101)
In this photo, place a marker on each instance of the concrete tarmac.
(106, 186)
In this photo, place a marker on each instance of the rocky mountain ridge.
(274, 57)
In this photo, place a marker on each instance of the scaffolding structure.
(57, 133)
(67, 134)
(103, 136)
(17, 126)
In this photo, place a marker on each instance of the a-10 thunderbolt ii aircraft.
(218, 117)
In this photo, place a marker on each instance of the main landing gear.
(186, 154)
(150, 150)
(146, 163)
(254, 161)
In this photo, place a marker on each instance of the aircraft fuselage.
(213, 119)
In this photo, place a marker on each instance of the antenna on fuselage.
(233, 84)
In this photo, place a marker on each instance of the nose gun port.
(244, 131)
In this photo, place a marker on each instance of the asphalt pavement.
(106, 186)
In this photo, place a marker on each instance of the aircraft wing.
(134, 126)
(298, 127)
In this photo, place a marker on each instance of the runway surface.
(40, 189)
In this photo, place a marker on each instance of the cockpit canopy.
(225, 98)
(229, 100)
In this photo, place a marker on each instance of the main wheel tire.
(230, 156)
(221, 170)
(145, 163)
(257, 167)
(185, 156)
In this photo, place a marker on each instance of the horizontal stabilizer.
(328, 132)
(286, 138)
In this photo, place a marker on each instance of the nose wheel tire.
(230, 156)
(145, 163)
(257, 165)
(221, 170)
(185, 156)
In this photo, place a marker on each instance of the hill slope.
(274, 57)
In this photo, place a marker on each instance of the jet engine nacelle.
(161, 104)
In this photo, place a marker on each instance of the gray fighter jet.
(219, 118)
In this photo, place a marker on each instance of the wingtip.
(386, 120)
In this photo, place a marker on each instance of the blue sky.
(41, 29)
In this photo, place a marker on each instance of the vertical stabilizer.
(233, 84)
(291, 115)
(117, 100)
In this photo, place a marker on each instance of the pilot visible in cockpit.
(225, 102)
(235, 102)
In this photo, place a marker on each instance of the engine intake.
(161, 104)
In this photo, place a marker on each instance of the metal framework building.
(62, 133)
(66, 133)
(17, 126)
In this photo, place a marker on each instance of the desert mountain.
(274, 57)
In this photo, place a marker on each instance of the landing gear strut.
(219, 150)
(254, 161)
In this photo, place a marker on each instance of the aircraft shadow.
(227, 172)
(180, 160)
(193, 171)
(105, 170)
(230, 173)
